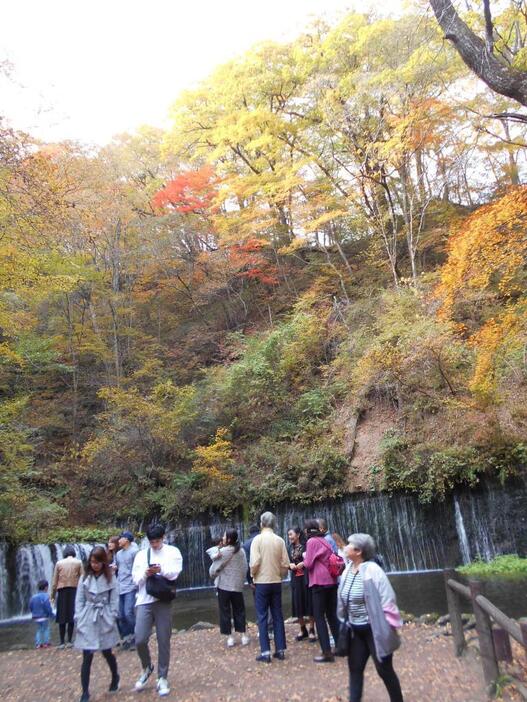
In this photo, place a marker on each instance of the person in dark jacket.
(253, 531)
(41, 613)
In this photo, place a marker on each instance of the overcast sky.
(88, 70)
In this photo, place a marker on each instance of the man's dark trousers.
(268, 596)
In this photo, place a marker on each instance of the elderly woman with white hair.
(367, 607)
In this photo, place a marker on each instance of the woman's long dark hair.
(111, 554)
(100, 555)
(231, 537)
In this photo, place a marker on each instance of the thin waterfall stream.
(411, 537)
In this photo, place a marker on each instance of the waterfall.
(410, 536)
(462, 534)
(4, 587)
(32, 562)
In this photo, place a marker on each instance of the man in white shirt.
(165, 560)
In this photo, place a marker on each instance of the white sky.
(89, 70)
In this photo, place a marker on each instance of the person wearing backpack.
(154, 573)
(323, 567)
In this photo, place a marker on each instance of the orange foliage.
(487, 255)
(190, 192)
(488, 251)
(249, 258)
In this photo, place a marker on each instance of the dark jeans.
(87, 658)
(325, 608)
(231, 604)
(362, 646)
(268, 596)
(127, 613)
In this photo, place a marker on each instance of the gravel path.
(203, 670)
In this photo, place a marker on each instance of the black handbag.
(160, 587)
(343, 642)
(343, 645)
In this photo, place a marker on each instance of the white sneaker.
(245, 639)
(162, 687)
(230, 641)
(141, 683)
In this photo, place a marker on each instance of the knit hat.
(126, 535)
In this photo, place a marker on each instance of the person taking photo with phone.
(162, 563)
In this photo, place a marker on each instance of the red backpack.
(336, 563)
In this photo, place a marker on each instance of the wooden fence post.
(486, 642)
(523, 626)
(502, 644)
(455, 611)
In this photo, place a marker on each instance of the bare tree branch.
(489, 27)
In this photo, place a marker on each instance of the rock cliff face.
(366, 432)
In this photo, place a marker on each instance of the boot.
(114, 685)
(326, 657)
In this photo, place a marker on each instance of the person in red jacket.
(323, 588)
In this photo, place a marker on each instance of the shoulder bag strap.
(148, 557)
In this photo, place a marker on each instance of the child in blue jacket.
(41, 611)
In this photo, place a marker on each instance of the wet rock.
(201, 626)
(407, 617)
(430, 618)
(444, 620)
(470, 624)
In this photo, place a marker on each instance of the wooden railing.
(494, 628)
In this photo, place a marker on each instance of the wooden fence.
(494, 628)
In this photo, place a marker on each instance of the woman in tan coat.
(64, 588)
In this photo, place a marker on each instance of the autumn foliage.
(190, 192)
(487, 257)
(328, 241)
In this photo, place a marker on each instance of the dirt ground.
(203, 670)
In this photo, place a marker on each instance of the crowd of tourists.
(341, 597)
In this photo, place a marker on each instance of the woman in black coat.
(301, 594)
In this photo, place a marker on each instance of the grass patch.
(508, 566)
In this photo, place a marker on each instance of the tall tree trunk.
(513, 166)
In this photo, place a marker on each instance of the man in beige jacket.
(68, 571)
(269, 563)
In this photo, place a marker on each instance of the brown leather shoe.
(324, 658)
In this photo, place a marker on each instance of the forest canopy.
(312, 283)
